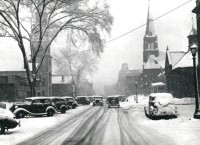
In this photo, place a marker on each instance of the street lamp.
(136, 92)
(193, 49)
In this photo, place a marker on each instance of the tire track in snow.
(126, 138)
(85, 131)
(49, 135)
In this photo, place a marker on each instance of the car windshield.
(113, 98)
(28, 101)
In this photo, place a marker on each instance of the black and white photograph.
(99, 72)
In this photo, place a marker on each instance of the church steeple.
(192, 38)
(149, 27)
(150, 39)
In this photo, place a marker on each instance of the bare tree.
(39, 22)
(76, 64)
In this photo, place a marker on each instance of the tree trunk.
(34, 77)
(26, 66)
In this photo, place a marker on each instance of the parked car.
(7, 120)
(161, 105)
(82, 100)
(34, 106)
(113, 101)
(71, 102)
(61, 104)
(98, 100)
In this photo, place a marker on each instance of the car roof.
(42, 97)
(66, 97)
(97, 96)
(81, 96)
(161, 95)
(114, 96)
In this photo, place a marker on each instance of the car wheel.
(50, 113)
(3, 128)
(63, 110)
(20, 114)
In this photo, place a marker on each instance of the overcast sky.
(172, 30)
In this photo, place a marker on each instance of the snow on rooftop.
(158, 84)
(152, 63)
(186, 61)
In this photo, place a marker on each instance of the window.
(3, 79)
(37, 102)
(38, 94)
(43, 93)
(47, 102)
(43, 82)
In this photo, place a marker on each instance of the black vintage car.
(61, 104)
(113, 101)
(7, 120)
(34, 106)
(84, 100)
(98, 100)
(71, 102)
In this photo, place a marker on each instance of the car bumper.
(11, 123)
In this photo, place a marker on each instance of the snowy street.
(97, 125)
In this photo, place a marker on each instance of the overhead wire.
(141, 25)
(146, 23)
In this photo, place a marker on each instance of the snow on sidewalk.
(31, 126)
(183, 130)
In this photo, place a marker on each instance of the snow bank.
(184, 101)
(6, 113)
(183, 130)
(130, 102)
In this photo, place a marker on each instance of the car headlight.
(16, 107)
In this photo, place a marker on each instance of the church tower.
(192, 38)
(44, 85)
(150, 46)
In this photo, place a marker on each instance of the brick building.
(13, 86)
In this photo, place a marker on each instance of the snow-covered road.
(89, 125)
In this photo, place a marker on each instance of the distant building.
(62, 85)
(127, 79)
(85, 88)
(13, 86)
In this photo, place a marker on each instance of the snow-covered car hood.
(6, 113)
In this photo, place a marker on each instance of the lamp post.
(136, 92)
(193, 49)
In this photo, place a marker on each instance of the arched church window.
(152, 46)
(149, 46)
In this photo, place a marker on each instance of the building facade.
(62, 85)
(13, 86)
(179, 70)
